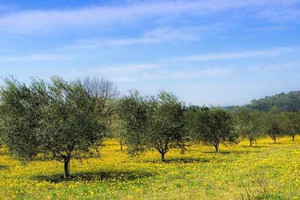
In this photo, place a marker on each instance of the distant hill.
(283, 102)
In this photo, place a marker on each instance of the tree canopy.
(153, 122)
(249, 124)
(214, 126)
(286, 102)
(63, 120)
(58, 118)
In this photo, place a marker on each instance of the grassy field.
(265, 171)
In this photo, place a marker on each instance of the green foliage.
(58, 118)
(191, 123)
(214, 126)
(65, 119)
(273, 124)
(289, 102)
(2, 129)
(117, 129)
(106, 94)
(282, 101)
(249, 124)
(166, 127)
(21, 108)
(1, 123)
(133, 110)
(291, 123)
(153, 122)
(71, 118)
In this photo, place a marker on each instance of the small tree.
(166, 124)
(153, 122)
(106, 95)
(191, 123)
(132, 110)
(117, 130)
(291, 123)
(273, 125)
(214, 126)
(249, 125)
(57, 118)
(71, 123)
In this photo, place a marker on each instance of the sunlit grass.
(265, 171)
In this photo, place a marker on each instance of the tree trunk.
(217, 147)
(121, 144)
(250, 143)
(67, 167)
(274, 139)
(163, 157)
(293, 139)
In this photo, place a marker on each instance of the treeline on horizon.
(286, 102)
(63, 120)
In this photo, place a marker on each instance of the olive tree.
(106, 95)
(117, 130)
(153, 122)
(133, 112)
(273, 125)
(71, 123)
(56, 119)
(214, 126)
(249, 125)
(190, 120)
(166, 124)
(291, 123)
(21, 114)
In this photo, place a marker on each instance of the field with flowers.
(264, 171)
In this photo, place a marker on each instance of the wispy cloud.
(34, 58)
(121, 73)
(280, 15)
(291, 66)
(122, 69)
(149, 72)
(191, 73)
(159, 35)
(236, 55)
(7, 7)
(37, 21)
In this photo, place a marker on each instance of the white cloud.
(122, 69)
(159, 35)
(236, 55)
(280, 15)
(122, 73)
(41, 21)
(291, 66)
(192, 73)
(144, 72)
(34, 58)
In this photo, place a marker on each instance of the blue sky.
(213, 52)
